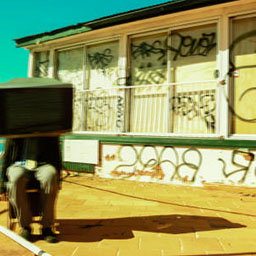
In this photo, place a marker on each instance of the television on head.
(35, 106)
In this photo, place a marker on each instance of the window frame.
(237, 15)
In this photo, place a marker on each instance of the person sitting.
(25, 159)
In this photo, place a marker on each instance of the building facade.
(162, 94)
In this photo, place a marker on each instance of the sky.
(21, 18)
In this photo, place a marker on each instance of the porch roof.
(171, 6)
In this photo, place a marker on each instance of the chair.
(33, 192)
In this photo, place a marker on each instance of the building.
(162, 94)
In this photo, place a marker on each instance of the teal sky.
(28, 17)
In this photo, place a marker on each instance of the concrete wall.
(176, 165)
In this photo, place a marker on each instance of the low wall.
(166, 160)
(177, 165)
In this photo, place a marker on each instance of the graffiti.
(126, 80)
(102, 111)
(141, 164)
(100, 60)
(184, 106)
(147, 72)
(99, 110)
(188, 164)
(232, 69)
(189, 46)
(189, 106)
(244, 169)
(186, 46)
(183, 165)
(41, 69)
(110, 157)
(144, 50)
(208, 106)
(150, 77)
(42, 63)
(120, 112)
(232, 47)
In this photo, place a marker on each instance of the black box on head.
(35, 105)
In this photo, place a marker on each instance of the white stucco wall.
(173, 165)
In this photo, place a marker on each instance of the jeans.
(18, 178)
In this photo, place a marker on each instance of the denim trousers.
(18, 178)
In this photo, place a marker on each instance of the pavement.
(105, 217)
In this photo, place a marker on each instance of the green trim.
(166, 141)
(78, 167)
(49, 37)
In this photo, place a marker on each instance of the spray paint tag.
(236, 73)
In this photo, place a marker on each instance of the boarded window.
(104, 107)
(41, 64)
(184, 59)
(149, 104)
(70, 70)
(243, 74)
(193, 58)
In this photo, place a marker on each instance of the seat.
(33, 193)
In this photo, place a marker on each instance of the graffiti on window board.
(101, 60)
(188, 46)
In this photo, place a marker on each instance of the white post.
(26, 244)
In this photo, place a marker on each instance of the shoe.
(26, 233)
(49, 236)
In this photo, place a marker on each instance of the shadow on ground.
(92, 230)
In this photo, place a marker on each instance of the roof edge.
(117, 19)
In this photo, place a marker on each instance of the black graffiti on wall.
(120, 112)
(145, 50)
(103, 108)
(99, 109)
(232, 68)
(41, 69)
(185, 170)
(148, 72)
(150, 77)
(242, 168)
(184, 46)
(101, 60)
(203, 105)
(189, 46)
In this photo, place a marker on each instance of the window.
(168, 69)
(70, 70)
(170, 88)
(41, 64)
(149, 104)
(193, 54)
(101, 98)
(243, 73)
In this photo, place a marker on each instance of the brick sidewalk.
(120, 218)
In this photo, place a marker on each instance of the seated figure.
(25, 160)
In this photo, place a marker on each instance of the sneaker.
(49, 236)
(26, 233)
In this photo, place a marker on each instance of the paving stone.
(107, 217)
